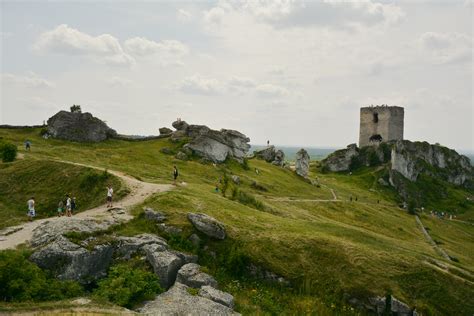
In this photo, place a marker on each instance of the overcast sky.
(293, 72)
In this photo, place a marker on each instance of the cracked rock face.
(178, 301)
(79, 127)
(212, 145)
(190, 274)
(217, 296)
(68, 261)
(302, 163)
(165, 264)
(207, 225)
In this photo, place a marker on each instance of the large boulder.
(68, 261)
(165, 264)
(212, 145)
(217, 296)
(165, 131)
(179, 301)
(190, 274)
(153, 215)
(207, 225)
(78, 127)
(50, 230)
(271, 155)
(302, 163)
(341, 160)
(128, 246)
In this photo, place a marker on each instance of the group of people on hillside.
(68, 205)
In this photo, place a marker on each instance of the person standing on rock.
(175, 174)
(68, 205)
(31, 208)
(110, 193)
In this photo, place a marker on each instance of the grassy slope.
(326, 248)
(48, 182)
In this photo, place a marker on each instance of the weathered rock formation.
(178, 301)
(410, 159)
(271, 155)
(302, 163)
(68, 261)
(79, 127)
(153, 215)
(165, 131)
(190, 274)
(340, 160)
(207, 225)
(212, 145)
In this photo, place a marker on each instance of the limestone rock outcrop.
(410, 159)
(79, 127)
(178, 301)
(212, 145)
(165, 131)
(190, 274)
(153, 215)
(302, 163)
(165, 264)
(207, 225)
(68, 261)
(341, 160)
(217, 296)
(271, 155)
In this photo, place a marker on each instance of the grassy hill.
(328, 249)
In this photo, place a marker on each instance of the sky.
(292, 72)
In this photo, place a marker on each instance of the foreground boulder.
(217, 296)
(165, 264)
(178, 301)
(78, 127)
(302, 163)
(207, 225)
(190, 274)
(50, 230)
(212, 145)
(68, 261)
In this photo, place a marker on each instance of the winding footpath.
(139, 191)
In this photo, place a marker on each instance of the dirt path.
(11, 237)
(437, 248)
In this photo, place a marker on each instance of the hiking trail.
(11, 237)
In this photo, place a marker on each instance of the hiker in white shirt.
(31, 208)
(110, 193)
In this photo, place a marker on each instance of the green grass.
(326, 249)
(49, 182)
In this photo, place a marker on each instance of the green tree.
(76, 108)
(8, 151)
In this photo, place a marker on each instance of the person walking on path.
(31, 208)
(60, 208)
(175, 174)
(110, 193)
(73, 205)
(68, 205)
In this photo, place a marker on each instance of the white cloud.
(30, 81)
(241, 82)
(197, 84)
(214, 16)
(446, 47)
(270, 90)
(184, 16)
(141, 46)
(118, 82)
(68, 41)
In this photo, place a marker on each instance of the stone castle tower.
(380, 123)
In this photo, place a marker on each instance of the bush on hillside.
(22, 280)
(127, 285)
(92, 179)
(246, 199)
(8, 151)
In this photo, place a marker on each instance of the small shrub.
(257, 186)
(224, 184)
(245, 164)
(21, 280)
(246, 199)
(43, 131)
(76, 108)
(127, 285)
(8, 151)
(92, 179)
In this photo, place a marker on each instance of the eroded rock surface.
(217, 296)
(302, 163)
(190, 274)
(207, 225)
(178, 301)
(165, 264)
(79, 127)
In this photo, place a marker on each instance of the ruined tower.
(380, 123)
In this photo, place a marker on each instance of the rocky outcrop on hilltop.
(79, 127)
(341, 160)
(271, 155)
(211, 145)
(410, 159)
(302, 163)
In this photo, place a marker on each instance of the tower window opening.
(376, 117)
